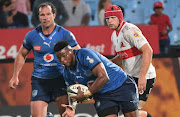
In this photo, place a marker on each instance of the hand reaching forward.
(69, 111)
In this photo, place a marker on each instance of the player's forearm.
(146, 61)
(98, 84)
(116, 60)
(18, 64)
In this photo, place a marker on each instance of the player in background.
(47, 79)
(109, 85)
(164, 26)
(133, 51)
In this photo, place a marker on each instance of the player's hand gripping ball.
(73, 90)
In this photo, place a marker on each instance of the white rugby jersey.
(127, 44)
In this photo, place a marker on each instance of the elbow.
(151, 51)
(105, 79)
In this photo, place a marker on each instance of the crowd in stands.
(23, 13)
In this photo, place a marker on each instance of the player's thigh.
(38, 108)
(62, 100)
(109, 112)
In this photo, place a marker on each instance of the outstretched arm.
(18, 64)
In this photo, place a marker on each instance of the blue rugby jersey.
(87, 59)
(46, 64)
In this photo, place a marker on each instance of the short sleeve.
(27, 41)
(168, 21)
(135, 37)
(71, 38)
(88, 58)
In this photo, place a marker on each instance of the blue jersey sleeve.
(69, 36)
(88, 58)
(27, 41)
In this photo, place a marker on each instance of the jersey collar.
(117, 32)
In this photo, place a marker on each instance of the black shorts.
(47, 89)
(150, 83)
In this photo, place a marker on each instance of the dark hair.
(158, 8)
(45, 4)
(100, 4)
(60, 45)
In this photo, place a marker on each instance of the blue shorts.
(47, 89)
(125, 98)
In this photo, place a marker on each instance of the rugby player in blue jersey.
(108, 84)
(47, 80)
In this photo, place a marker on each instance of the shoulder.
(166, 16)
(62, 29)
(129, 27)
(32, 32)
(84, 5)
(83, 52)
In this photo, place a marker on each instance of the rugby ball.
(73, 90)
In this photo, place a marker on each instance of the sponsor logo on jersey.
(48, 57)
(48, 44)
(122, 45)
(37, 48)
(91, 60)
(49, 64)
(136, 34)
(34, 92)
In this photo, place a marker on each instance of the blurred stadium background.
(164, 99)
